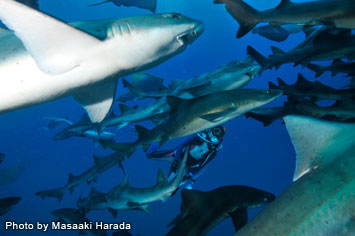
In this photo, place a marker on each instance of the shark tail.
(316, 68)
(99, 3)
(263, 61)
(247, 16)
(54, 193)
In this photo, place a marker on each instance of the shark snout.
(189, 36)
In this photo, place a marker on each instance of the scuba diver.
(203, 147)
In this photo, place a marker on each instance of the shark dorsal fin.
(284, 3)
(174, 102)
(175, 83)
(161, 179)
(277, 51)
(71, 178)
(317, 142)
(281, 82)
(142, 132)
(273, 86)
(56, 46)
(301, 79)
(124, 108)
(113, 212)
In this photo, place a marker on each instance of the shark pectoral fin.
(161, 179)
(317, 142)
(218, 116)
(113, 212)
(239, 218)
(55, 46)
(97, 99)
(192, 199)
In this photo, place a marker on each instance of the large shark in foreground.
(90, 175)
(201, 211)
(7, 203)
(321, 200)
(58, 60)
(189, 116)
(339, 13)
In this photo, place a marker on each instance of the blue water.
(252, 155)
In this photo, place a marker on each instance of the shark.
(11, 174)
(189, 116)
(76, 217)
(143, 81)
(150, 5)
(316, 91)
(328, 12)
(338, 66)
(201, 211)
(6, 204)
(321, 200)
(126, 197)
(83, 128)
(277, 33)
(90, 175)
(50, 59)
(321, 44)
(234, 75)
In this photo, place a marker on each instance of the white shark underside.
(58, 60)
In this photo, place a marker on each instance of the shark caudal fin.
(54, 193)
(263, 61)
(246, 16)
(318, 142)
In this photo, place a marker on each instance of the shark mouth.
(184, 38)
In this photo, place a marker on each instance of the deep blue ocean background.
(252, 155)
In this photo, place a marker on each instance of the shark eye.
(193, 32)
(265, 199)
(267, 91)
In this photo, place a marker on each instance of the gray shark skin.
(150, 5)
(201, 211)
(328, 12)
(6, 204)
(338, 66)
(74, 216)
(83, 128)
(101, 165)
(322, 44)
(146, 82)
(233, 75)
(73, 67)
(192, 116)
(277, 33)
(156, 111)
(315, 91)
(321, 200)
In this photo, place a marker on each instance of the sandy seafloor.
(252, 155)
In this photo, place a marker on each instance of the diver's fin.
(239, 218)
(246, 16)
(218, 116)
(317, 142)
(161, 180)
(55, 46)
(97, 99)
